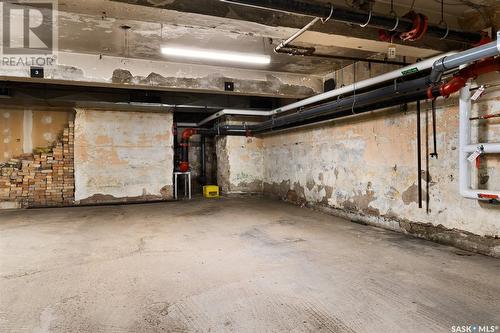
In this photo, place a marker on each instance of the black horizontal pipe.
(352, 16)
(396, 94)
(352, 103)
(399, 100)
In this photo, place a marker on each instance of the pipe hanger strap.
(369, 19)
(447, 31)
(397, 23)
(329, 16)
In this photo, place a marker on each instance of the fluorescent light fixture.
(222, 56)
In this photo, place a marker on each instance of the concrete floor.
(232, 265)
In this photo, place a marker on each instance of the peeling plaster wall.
(21, 131)
(364, 168)
(47, 126)
(123, 156)
(239, 164)
(11, 127)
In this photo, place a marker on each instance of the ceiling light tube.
(244, 58)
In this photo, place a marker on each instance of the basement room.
(250, 166)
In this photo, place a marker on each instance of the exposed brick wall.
(43, 178)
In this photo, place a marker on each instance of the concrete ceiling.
(95, 50)
(89, 34)
(94, 27)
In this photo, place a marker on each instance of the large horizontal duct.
(455, 60)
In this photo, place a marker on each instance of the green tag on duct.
(410, 71)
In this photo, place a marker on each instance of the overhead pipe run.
(418, 67)
(226, 112)
(285, 48)
(364, 19)
(421, 66)
(391, 95)
(439, 65)
(460, 79)
(394, 94)
(455, 60)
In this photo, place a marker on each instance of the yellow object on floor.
(211, 191)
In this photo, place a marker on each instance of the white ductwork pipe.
(488, 148)
(411, 69)
(227, 112)
(466, 149)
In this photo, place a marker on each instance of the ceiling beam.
(116, 72)
(341, 31)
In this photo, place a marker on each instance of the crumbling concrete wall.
(364, 168)
(109, 71)
(123, 156)
(239, 164)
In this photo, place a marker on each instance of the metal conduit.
(292, 51)
(352, 16)
(296, 35)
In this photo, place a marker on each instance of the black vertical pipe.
(203, 171)
(434, 130)
(419, 156)
(176, 147)
(427, 174)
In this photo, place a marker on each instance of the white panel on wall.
(123, 155)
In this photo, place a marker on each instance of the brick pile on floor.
(42, 179)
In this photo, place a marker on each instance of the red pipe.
(185, 136)
(420, 26)
(488, 196)
(188, 133)
(460, 79)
